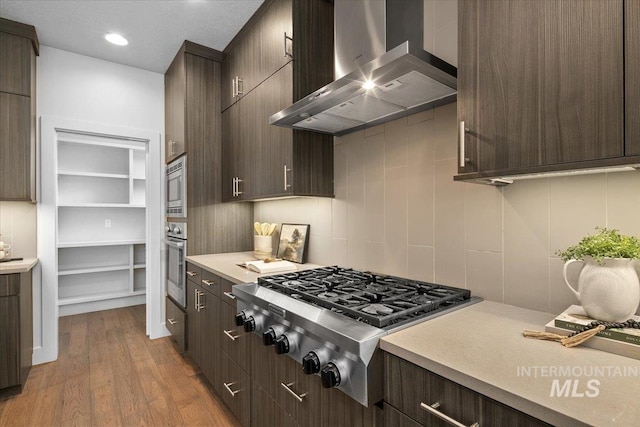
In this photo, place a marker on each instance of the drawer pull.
(191, 273)
(231, 337)
(228, 387)
(208, 282)
(433, 409)
(229, 295)
(287, 387)
(172, 322)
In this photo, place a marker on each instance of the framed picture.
(293, 242)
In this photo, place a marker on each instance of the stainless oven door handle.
(174, 244)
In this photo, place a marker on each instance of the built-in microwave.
(177, 188)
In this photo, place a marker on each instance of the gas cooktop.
(378, 300)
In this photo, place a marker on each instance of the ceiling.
(155, 28)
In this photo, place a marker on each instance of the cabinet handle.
(231, 337)
(172, 322)
(200, 305)
(195, 298)
(298, 397)
(233, 88)
(286, 37)
(191, 273)
(238, 181)
(228, 387)
(432, 409)
(461, 134)
(286, 185)
(239, 81)
(229, 295)
(208, 282)
(233, 187)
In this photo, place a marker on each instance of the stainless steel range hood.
(404, 80)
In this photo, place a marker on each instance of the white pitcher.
(609, 291)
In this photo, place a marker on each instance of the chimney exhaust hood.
(401, 81)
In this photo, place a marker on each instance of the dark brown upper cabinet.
(632, 83)
(18, 49)
(261, 48)
(261, 161)
(541, 86)
(193, 125)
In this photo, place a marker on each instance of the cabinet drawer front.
(393, 417)
(194, 273)
(408, 386)
(235, 341)
(236, 389)
(211, 282)
(9, 284)
(9, 342)
(227, 293)
(175, 322)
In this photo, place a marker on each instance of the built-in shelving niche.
(101, 232)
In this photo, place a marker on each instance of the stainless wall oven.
(177, 188)
(176, 240)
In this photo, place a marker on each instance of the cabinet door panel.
(175, 93)
(497, 414)
(230, 152)
(274, 144)
(210, 341)
(393, 417)
(505, 130)
(583, 84)
(9, 341)
(194, 325)
(176, 322)
(15, 64)
(15, 147)
(632, 83)
(265, 411)
(270, 40)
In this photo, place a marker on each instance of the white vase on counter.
(262, 248)
(609, 290)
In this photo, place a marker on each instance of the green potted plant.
(608, 285)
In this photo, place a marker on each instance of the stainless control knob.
(241, 318)
(177, 230)
(330, 376)
(283, 346)
(269, 337)
(311, 363)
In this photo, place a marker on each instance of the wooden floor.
(109, 373)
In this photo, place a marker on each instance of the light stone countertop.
(482, 348)
(18, 266)
(226, 266)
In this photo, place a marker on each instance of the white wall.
(84, 89)
(398, 211)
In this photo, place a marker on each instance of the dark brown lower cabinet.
(266, 412)
(203, 310)
(176, 322)
(16, 330)
(408, 388)
(234, 340)
(237, 389)
(395, 418)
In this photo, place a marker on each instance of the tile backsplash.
(398, 211)
(18, 228)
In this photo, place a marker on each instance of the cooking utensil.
(265, 229)
(258, 228)
(272, 228)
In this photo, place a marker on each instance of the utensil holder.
(262, 246)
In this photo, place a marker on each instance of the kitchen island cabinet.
(263, 161)
(16, 329)
(541, 86)
(18, 50)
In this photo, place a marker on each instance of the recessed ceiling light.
(116, 39)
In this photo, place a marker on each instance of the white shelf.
(92, 270)
(103, 243)
(99, 297)
(101, 143)
(140, 266)
(95, 174)
(100, 205)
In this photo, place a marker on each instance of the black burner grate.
(379, 300)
